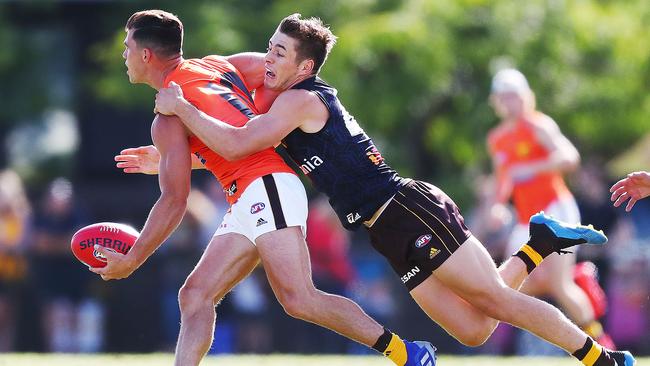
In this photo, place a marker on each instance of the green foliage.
(416, 73)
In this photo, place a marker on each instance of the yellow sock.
(593, 355)
(396, 350)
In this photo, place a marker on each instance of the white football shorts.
(272, 202)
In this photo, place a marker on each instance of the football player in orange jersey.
(632, 188)
(530, 154)
(415, 225)
(267, 217)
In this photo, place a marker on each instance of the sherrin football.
(113, 236)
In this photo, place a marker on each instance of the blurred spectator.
(328, 246)
(629, 251)
(14, 228)
(491, 224)
(71, 320)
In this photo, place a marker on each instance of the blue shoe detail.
(420, 353)
(570, 232)
(629, 359)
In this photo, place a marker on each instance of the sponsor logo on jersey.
(201, 158)
(522, 149)
(353, 217)
(374, 155)
(259, 206)
(261, 222)
(410, 274)
(230, 191)
(423, 240)
(433, 252)
(308, 165)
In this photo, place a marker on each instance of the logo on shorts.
(433, 252)
(259, 206)
(410, 274)
(423, 240)
(261, 222)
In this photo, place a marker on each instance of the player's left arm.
(170, 138)
(291, 110)
(563, 155)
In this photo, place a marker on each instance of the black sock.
(593, 354)
(383, 341)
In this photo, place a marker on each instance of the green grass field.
(273, 360)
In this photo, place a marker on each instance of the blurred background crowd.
(416, 74)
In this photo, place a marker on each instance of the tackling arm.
(291, 110)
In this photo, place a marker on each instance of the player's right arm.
(634, 187)
(171, 140)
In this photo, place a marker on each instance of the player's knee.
(192, 297)
(297, 304)
(477, 334)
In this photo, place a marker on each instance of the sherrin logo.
(423, 240)
(259, 206)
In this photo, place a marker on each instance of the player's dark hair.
(159, 30)
(315, 40)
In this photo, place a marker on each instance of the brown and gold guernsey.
(214, 86)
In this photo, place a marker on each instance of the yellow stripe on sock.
(592, 355)
(396, 350)
(532, 254)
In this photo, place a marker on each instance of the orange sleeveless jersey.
(215, 87)
(519, 145)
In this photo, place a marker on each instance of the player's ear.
(307, 67)
(146, 54)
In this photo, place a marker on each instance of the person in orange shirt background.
(529, 155)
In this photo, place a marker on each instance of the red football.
(117, 237)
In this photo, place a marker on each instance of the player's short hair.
(157, 29)
(315, 39)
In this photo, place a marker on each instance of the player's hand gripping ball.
(112, 236)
